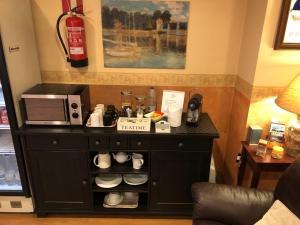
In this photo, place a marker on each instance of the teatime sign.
(134, 124)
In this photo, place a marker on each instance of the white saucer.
(108, 180)
(135, 179)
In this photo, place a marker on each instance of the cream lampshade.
(289, 100)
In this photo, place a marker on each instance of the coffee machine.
(194, 110)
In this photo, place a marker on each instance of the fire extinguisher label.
(76, 50)
(75, 40)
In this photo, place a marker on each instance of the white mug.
(95, 119)
(137, 161)
(99, 107)
(104, 160)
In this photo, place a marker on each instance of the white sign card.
(172, 98)
(134, 124)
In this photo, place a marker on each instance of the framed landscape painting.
(288, 33)
(144, 33)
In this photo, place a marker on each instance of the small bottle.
(151, 100)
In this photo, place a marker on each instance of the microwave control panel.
(75, 109)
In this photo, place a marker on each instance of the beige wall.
(225, 39)
(253, 27)
(215, 31)
(16, 28)
(275, 67)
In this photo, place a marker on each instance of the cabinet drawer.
(56, 142)
(118, 142)
(98, 142)
(182, 143)
(139, 143)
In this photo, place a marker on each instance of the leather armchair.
(217, 204)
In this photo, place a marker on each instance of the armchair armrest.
(229, 204)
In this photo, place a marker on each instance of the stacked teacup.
(97, 116)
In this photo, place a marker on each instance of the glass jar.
(261, 148)
(126, 103)
(277, 152)
(293, 140)
(140, 106)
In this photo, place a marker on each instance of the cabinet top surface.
(205, 128)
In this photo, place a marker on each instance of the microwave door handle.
(66, 110)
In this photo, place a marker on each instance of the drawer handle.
(97, 142)
(139, 143)
(118, 143)
(180, 145)
(54, 142)
(154, 183)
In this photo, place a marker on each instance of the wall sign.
(288, 33)
(145, 33)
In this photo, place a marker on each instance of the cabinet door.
(172, 174)
(60, 179)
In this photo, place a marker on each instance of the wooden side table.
(258, 164)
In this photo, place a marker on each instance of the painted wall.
(16, 27)
(273, 71)
(275, 68)
(213, 40)
(253, 27)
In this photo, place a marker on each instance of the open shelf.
(122, 187)
(99, 198)
(120, 169)
(123, 150)
(140, 208)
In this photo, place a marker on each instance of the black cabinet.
(172, 173)
(60, 179)
(62, 173)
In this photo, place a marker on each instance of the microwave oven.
(56, 104)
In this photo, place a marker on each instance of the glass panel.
(4, 124)
(9, 173)
(6, 142)
(45, 109)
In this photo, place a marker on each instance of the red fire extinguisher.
(77, 51)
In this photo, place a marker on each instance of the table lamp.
(289, 100)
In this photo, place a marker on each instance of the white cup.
(137, 161)
(99, 108)
(96, 119)
(174, 116)
(104, 160)
(114, 198)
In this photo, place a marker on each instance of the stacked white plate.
(108, 180)
(135, 179)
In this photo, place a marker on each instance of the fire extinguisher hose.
(59, 36)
